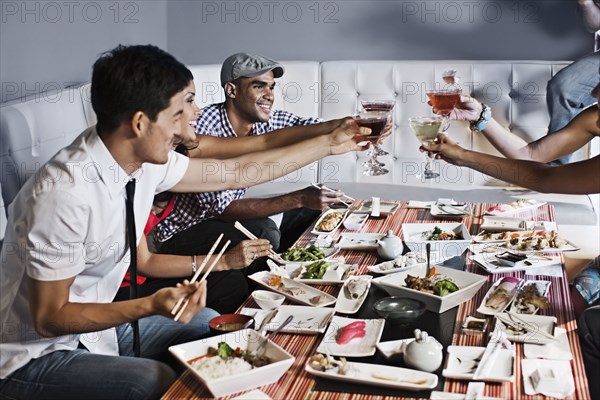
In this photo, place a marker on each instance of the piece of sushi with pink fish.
(350, 337)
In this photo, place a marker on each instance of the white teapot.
(390, 246)
(424, 353)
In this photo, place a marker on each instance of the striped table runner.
(297, 384)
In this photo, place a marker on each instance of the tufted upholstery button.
(357, 94)
(395, 158)
(356, 157)
(512, 94)
(395, 94)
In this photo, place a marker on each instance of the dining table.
(446, 327)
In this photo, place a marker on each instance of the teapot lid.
(390, 233)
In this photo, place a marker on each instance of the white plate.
(307, 292)
(359, 241)
(393, 266)
(345, 304)
(514, 207)
(490, 263)
(495, 237)
(511, 284)
(307, 320)
(499, 224)
(381, 375)
(342, 211)
(385, 207)
(415, 238)
(567, 247)
(463, 361)
(542, 290)
(561, 369)
(338, 279)
(554, 350)
(535, 323)
(362, 347)
(435, 395)
(452, 211)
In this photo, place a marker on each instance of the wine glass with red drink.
(378, 105)
(376, 121)
(444, 101)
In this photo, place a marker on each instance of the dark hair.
(129, 79)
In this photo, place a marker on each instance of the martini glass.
(426, 129)
(444, 101)
(378, 105)
(376, 121)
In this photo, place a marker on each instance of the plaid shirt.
(193, 208)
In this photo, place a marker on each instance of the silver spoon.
(428, 255)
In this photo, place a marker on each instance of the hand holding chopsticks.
(331, 190)
(252, 236)
(179, 308)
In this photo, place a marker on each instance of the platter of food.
(406, 261)
(370, 374)
(309, 254)
(324, 272)
(349, 337)
(545, 241)
(514, 207)
(329, 221)
(446, 239)
(295, 291)
(353, 294)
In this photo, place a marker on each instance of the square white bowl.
(440, 249)
(467, 282)
(247, 339)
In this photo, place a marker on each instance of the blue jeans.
(79, 374)
(570, 91)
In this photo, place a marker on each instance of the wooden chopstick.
(216, 260)
(331, 190)
(200, 268)
(252, 236)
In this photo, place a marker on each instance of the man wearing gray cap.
(198, 218)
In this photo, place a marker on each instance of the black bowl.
(399, 310)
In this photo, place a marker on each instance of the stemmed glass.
(444, 101)
(426, 129)
(376, 121)
(378, 105)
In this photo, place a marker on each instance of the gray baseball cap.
(248, 66)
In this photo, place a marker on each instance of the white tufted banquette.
(34, 128)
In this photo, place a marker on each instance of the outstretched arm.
(590, 12)
(205, 175)
(309, 197)
(572, 137)
(575, 178)
(222, 148)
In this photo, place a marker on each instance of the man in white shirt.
(65, 252)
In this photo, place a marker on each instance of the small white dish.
(463, 362)
(359, 241)
(490, 263)
(355, 221)
(305, 320)
(514, 207)
(499, 296)
(394, 347)
(520, 305)
(267, 300)
(345, 304)
(435, 395)
(338, 213)
(385, 207)
(501, 224)
(296, 291)
(336, 274)
(551, 378)
(380, 375)
(357, 347)
(449, 211)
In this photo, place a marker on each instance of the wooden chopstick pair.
(180, 305)
(331, 190)
(252, 236)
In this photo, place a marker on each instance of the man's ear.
(230, 90)
(139, 123)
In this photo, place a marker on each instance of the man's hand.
(245, 252)
(467, 109)
(165, 299)
(346, 137)
(445, 149)
(319, 199)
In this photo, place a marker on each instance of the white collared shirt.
(68, 221)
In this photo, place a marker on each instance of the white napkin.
(419, 204)
(555, 350)
(560, 369)
(375, 207)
